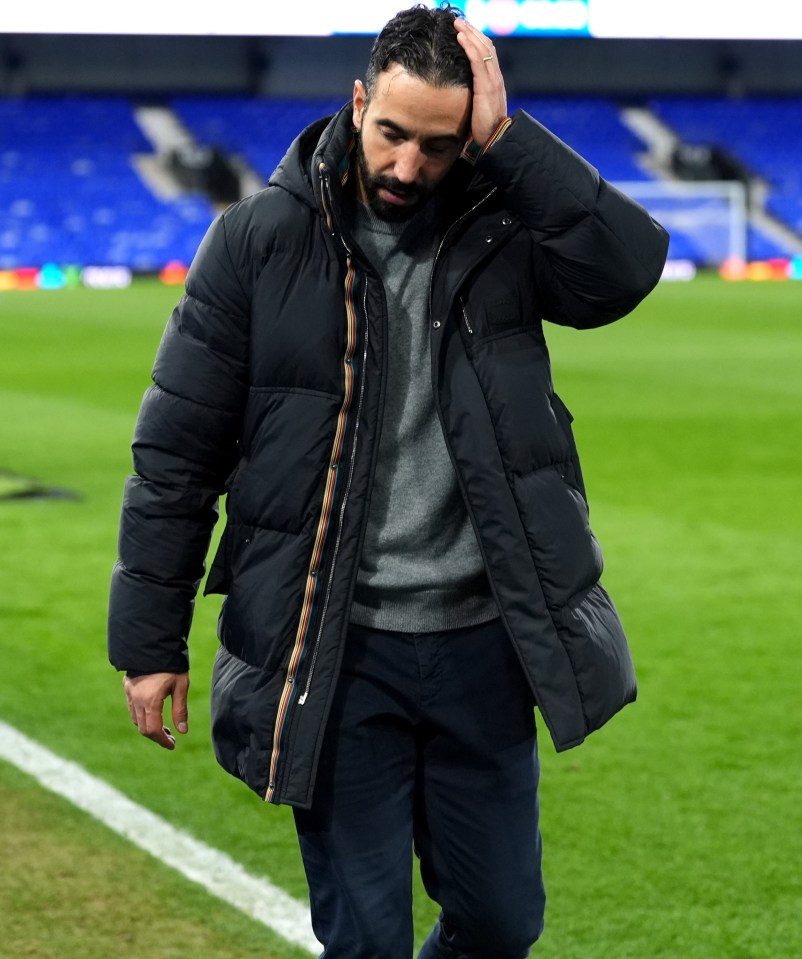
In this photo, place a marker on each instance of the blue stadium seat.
(764, 133)
(69, 192)
(593, 127)
(257, 129)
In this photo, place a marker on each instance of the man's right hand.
(489, 96)
(146, 696)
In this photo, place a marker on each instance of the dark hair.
(424, 42)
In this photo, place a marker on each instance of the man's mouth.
(395, 197)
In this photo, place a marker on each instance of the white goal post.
(708, 220)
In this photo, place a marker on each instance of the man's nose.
(408, 163)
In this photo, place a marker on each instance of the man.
(408, 567)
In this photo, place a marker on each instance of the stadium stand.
(764, 134)
(70, 191)
(257, 130)
(593, 127)
(260, 129)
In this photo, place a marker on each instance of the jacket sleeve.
(597, 253)
(184, 446)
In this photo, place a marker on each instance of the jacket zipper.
(465, 315)
(328, 499)
(323, 524)
(302, 698)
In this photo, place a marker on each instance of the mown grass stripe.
(209, 868)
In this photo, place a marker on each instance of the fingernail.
(182, 727)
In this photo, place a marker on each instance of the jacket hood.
(327, 145)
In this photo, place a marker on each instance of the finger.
(482, 56)
(465, 26)
(162, 736)
(151, 725)
(129, 701)
(152, 722)
(179, 710)
(473, 41)
(489, 97)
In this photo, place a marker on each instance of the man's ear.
(359, 103)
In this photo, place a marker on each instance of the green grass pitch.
(674, 832)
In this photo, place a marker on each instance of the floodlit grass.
(674, 832)
(72, 890)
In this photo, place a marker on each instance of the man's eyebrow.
(397, 128)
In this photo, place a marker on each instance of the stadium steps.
(162, 128)
(767, 223)
(168, 136)
(763, 133)
(663, 141)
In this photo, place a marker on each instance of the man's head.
(424, 43)
(413, 111)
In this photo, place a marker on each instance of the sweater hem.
(407, 618)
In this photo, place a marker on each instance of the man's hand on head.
(146, 696)
(489, 95)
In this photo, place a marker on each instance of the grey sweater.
(421, 569)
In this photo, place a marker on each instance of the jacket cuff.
(472, 152)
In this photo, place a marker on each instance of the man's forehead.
(403, 98)
(396, 80)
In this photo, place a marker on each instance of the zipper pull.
(465, 316)
(323, 173)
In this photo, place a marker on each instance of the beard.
(415, 196)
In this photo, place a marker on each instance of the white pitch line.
(210, 868)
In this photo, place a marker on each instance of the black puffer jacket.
(269, 384)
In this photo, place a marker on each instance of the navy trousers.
(431, 746)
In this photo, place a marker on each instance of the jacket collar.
(324, 154)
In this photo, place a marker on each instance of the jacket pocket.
(492, 319)
(564, 418)
(235, 538)
(244, 701)
(593, 637)
(555, 518)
